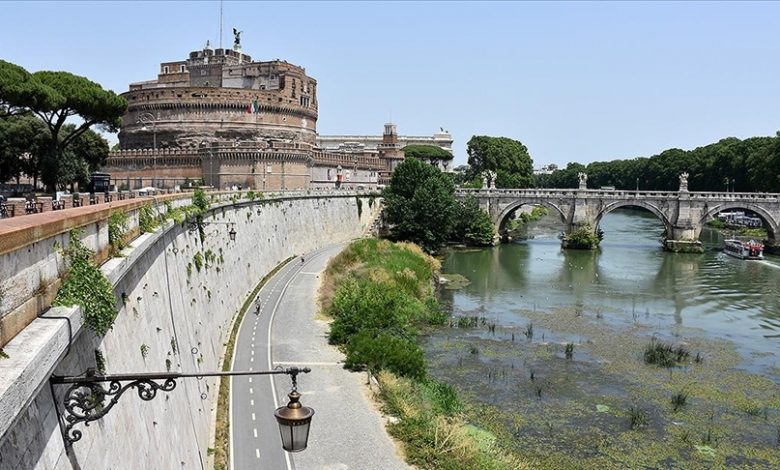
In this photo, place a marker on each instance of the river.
(631, 276)
(617, 297)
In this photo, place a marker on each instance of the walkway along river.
(604, 406)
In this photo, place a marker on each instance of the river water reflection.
(630, 279)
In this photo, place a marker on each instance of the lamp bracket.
(88, 398)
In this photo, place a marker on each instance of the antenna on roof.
(220, 24)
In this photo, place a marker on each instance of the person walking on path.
(257, 305)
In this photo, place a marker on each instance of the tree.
(472, 225)
(20, 90)
(426, 153)
(54, 97)
(23, 142)
(508, 158)
(420, 204)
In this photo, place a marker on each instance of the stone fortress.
(227, 120)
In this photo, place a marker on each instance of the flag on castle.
(253, 108)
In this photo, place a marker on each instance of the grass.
(434, 433)
(222, 434)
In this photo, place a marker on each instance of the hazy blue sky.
(572, 81)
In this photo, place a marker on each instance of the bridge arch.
(662, 216)
(503, 216)
(770, 223)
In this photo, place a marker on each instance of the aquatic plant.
(637, 417)
(529, 331)
(665, 355)
(569, 351)
(679, 400)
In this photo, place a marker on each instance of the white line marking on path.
(250, 380)
(251, 403)
(253, 417)
(257, 453)
(310, 363)
(251, 391)
(255, 430)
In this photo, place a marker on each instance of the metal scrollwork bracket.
(91, 396)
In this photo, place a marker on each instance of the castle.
(226, 120)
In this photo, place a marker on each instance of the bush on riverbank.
(582, 238)
(380, 294)
(384, 294)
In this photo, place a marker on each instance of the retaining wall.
(172, 315)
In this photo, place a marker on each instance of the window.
(182, 68)
(165, 69)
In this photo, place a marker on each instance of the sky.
(572, 81)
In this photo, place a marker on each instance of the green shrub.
(582, 238)
(362, 304)
(380, 350)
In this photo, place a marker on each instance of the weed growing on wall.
(117, 231)
(100, 361)
(197, 260)
(87, 286)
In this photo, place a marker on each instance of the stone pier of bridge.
(683, 213)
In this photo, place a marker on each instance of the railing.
(622, 194)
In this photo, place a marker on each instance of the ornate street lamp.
(87, 400)
(232, 234)
(294, 421)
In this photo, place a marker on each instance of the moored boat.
(744, 250)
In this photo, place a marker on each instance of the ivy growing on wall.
(117, 231)
(147, 222)
(87, 286)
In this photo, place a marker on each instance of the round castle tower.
(220, 96)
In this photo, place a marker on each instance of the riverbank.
(380, 296)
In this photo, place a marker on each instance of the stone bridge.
(683, 213)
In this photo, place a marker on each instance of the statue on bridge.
(583, 180)
(684, 181)
(488, 179)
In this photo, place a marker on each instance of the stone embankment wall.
(176, 297)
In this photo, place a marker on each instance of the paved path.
(347, 432)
